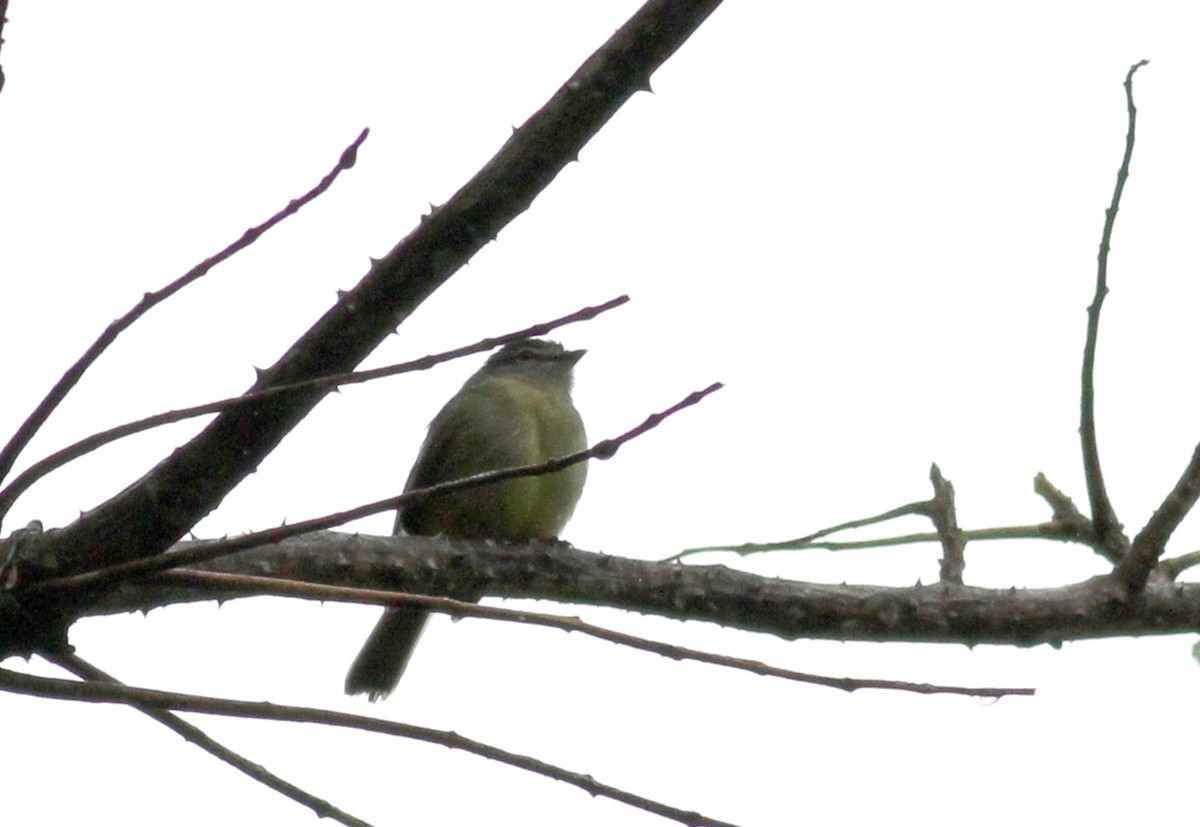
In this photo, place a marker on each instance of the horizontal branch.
(784, 608)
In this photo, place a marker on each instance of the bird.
(515, 410)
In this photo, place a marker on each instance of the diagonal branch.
(1104, 517)
(1151, 541)
(261, 710)
(91, 443)
(150, 515)
(321, 808)
(68, 380)
(1067, 516)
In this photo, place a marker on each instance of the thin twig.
(1068, 525)
(136, 696)
(946, 522)
(1062, 506)
(85, 446)
(68, 380)
(807, 541)
(210, 551)
(1104, 517)
(1057, 532)
(321, 808)
(279, 587)
(1068, 520)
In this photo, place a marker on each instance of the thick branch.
(153, 513)
(787, 609)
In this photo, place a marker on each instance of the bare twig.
(1068, 525)
(109, 693)
(85, 446)
(1066, 514)
(321, 808)
(1042, 531)
(1104, 517)
(211, 551)
(946, 522)
(1062, 506)
(41, 413)
(807, 541)
(459, 608)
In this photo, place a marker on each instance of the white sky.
(876, 222)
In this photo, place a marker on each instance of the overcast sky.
(876, 222)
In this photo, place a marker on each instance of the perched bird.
(515, 410)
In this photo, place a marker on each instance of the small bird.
(515, 410)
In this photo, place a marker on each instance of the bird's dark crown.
(532, 352)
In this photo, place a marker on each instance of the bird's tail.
(379, 665)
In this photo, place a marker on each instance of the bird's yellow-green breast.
(500, 422)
